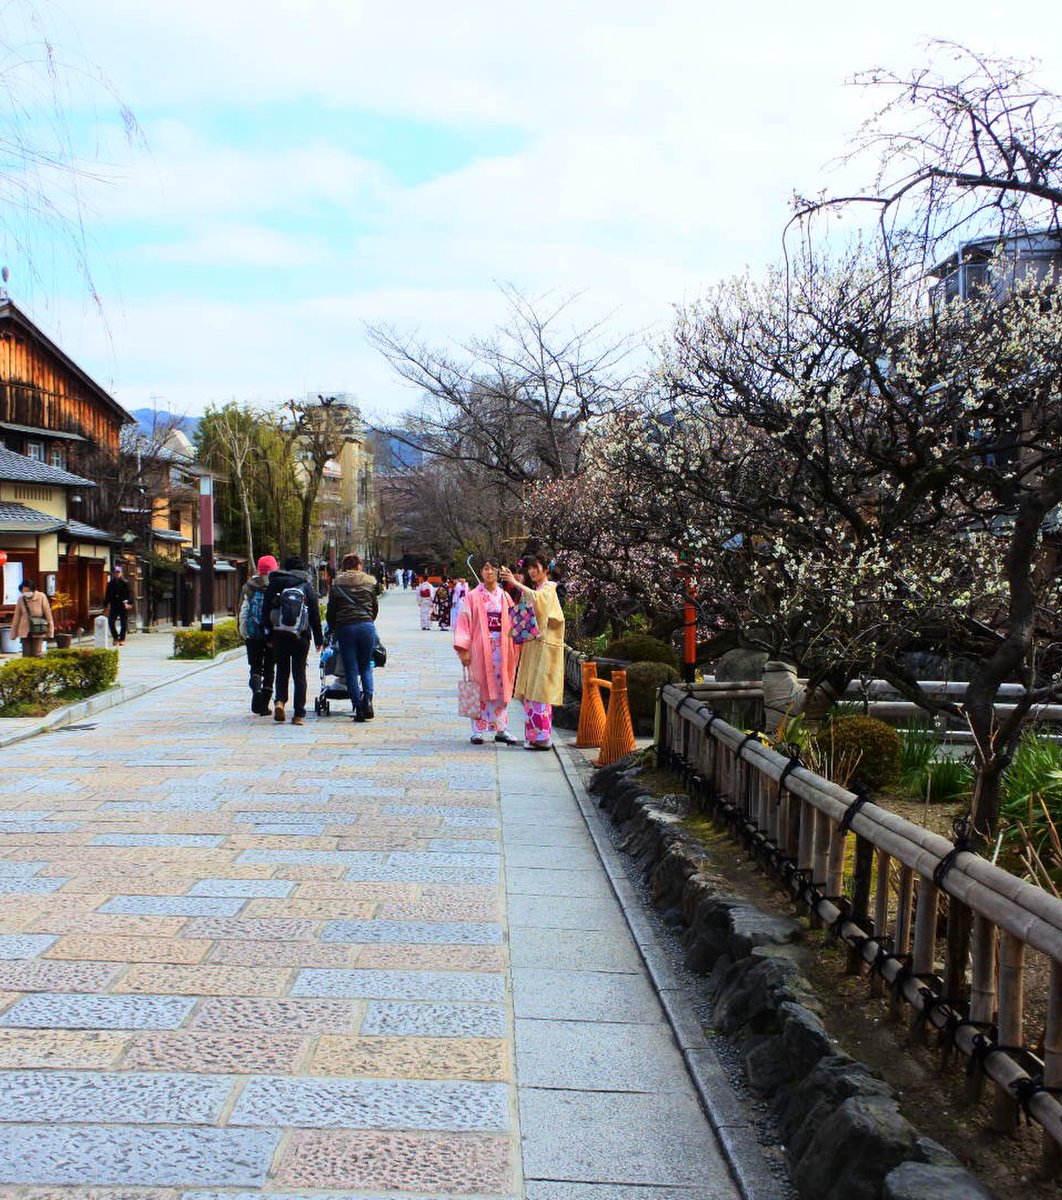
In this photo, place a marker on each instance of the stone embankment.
(844, 1134)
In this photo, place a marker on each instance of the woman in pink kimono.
(483, 644)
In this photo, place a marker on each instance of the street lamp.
(206, 552)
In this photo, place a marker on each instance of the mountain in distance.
(146, 419)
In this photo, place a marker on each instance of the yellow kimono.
(540, 676)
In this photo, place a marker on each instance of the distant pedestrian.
(408, 574)
(442, 604)
(352, 609)
(484, 646)
(459, 595)
(118, 600)
(425, 595)
(293, 616)
(32, 621)
(540, 677)
(252, 625)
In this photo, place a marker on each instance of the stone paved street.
(242, 959)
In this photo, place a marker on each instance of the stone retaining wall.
(845, 1138)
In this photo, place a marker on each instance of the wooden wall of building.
(37, 390)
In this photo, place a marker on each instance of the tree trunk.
(246, 506)
(304, 527)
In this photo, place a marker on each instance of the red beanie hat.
(266, 563)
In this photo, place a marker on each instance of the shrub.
(35, 682)
(876, 745)
(226, 636)
(193, 643)
(643, 680)
(640, 647)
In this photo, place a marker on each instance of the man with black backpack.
(293, 615)
(252, 622)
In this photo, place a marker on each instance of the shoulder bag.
(38, 626)
(523, 622)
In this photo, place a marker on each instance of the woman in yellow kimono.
(540, 675)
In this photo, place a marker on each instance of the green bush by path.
(643, 681)
(33, 686)
(206, 643)
(193, 643)
(641, 647)
(875, 744)
(226, 636)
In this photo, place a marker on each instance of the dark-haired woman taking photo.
(540, 675)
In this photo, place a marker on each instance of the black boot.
(367, 710)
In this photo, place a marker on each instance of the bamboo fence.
(885, 901)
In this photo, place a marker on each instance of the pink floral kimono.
(482, 628)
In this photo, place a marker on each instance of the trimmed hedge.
(226, 636)
(25, 680)
(202, 643)
(876, 743)
(644, 679)
(641, 647)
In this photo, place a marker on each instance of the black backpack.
(291, 614)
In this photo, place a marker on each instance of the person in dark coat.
(291, 647)
(352, 609)
(118, 600)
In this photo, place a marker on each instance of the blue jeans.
(355, 644)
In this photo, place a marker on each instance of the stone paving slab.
(371, 1104)
(587, 1137)
(86, 1154)
(346, 961)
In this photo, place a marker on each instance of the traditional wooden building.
(50, 410)
(43, 540)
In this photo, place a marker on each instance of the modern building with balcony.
(996, 266)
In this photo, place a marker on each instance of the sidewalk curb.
(70, 714)
(722, 1106)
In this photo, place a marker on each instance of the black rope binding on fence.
(844, 909)
(961, 829)
(791, 765)
(749, 737)
(1025, 1090)
(852, 811)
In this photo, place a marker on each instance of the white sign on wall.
(12, 579)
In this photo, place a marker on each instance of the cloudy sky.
(311, 165)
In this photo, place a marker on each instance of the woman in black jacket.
(351, 614)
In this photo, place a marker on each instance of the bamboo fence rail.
(799, 824)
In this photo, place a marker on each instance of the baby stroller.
(333, 678)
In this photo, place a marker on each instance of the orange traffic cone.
(618, 738)
(591, 710)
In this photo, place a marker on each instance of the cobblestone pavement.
(239, 958)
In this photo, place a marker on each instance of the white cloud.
(659, 145)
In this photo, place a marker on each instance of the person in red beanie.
(252, 620)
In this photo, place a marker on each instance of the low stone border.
(844, 1134)
(71, 714)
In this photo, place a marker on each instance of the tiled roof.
(78, 531)
(20, 469)
(17, 518)
(168, 535)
